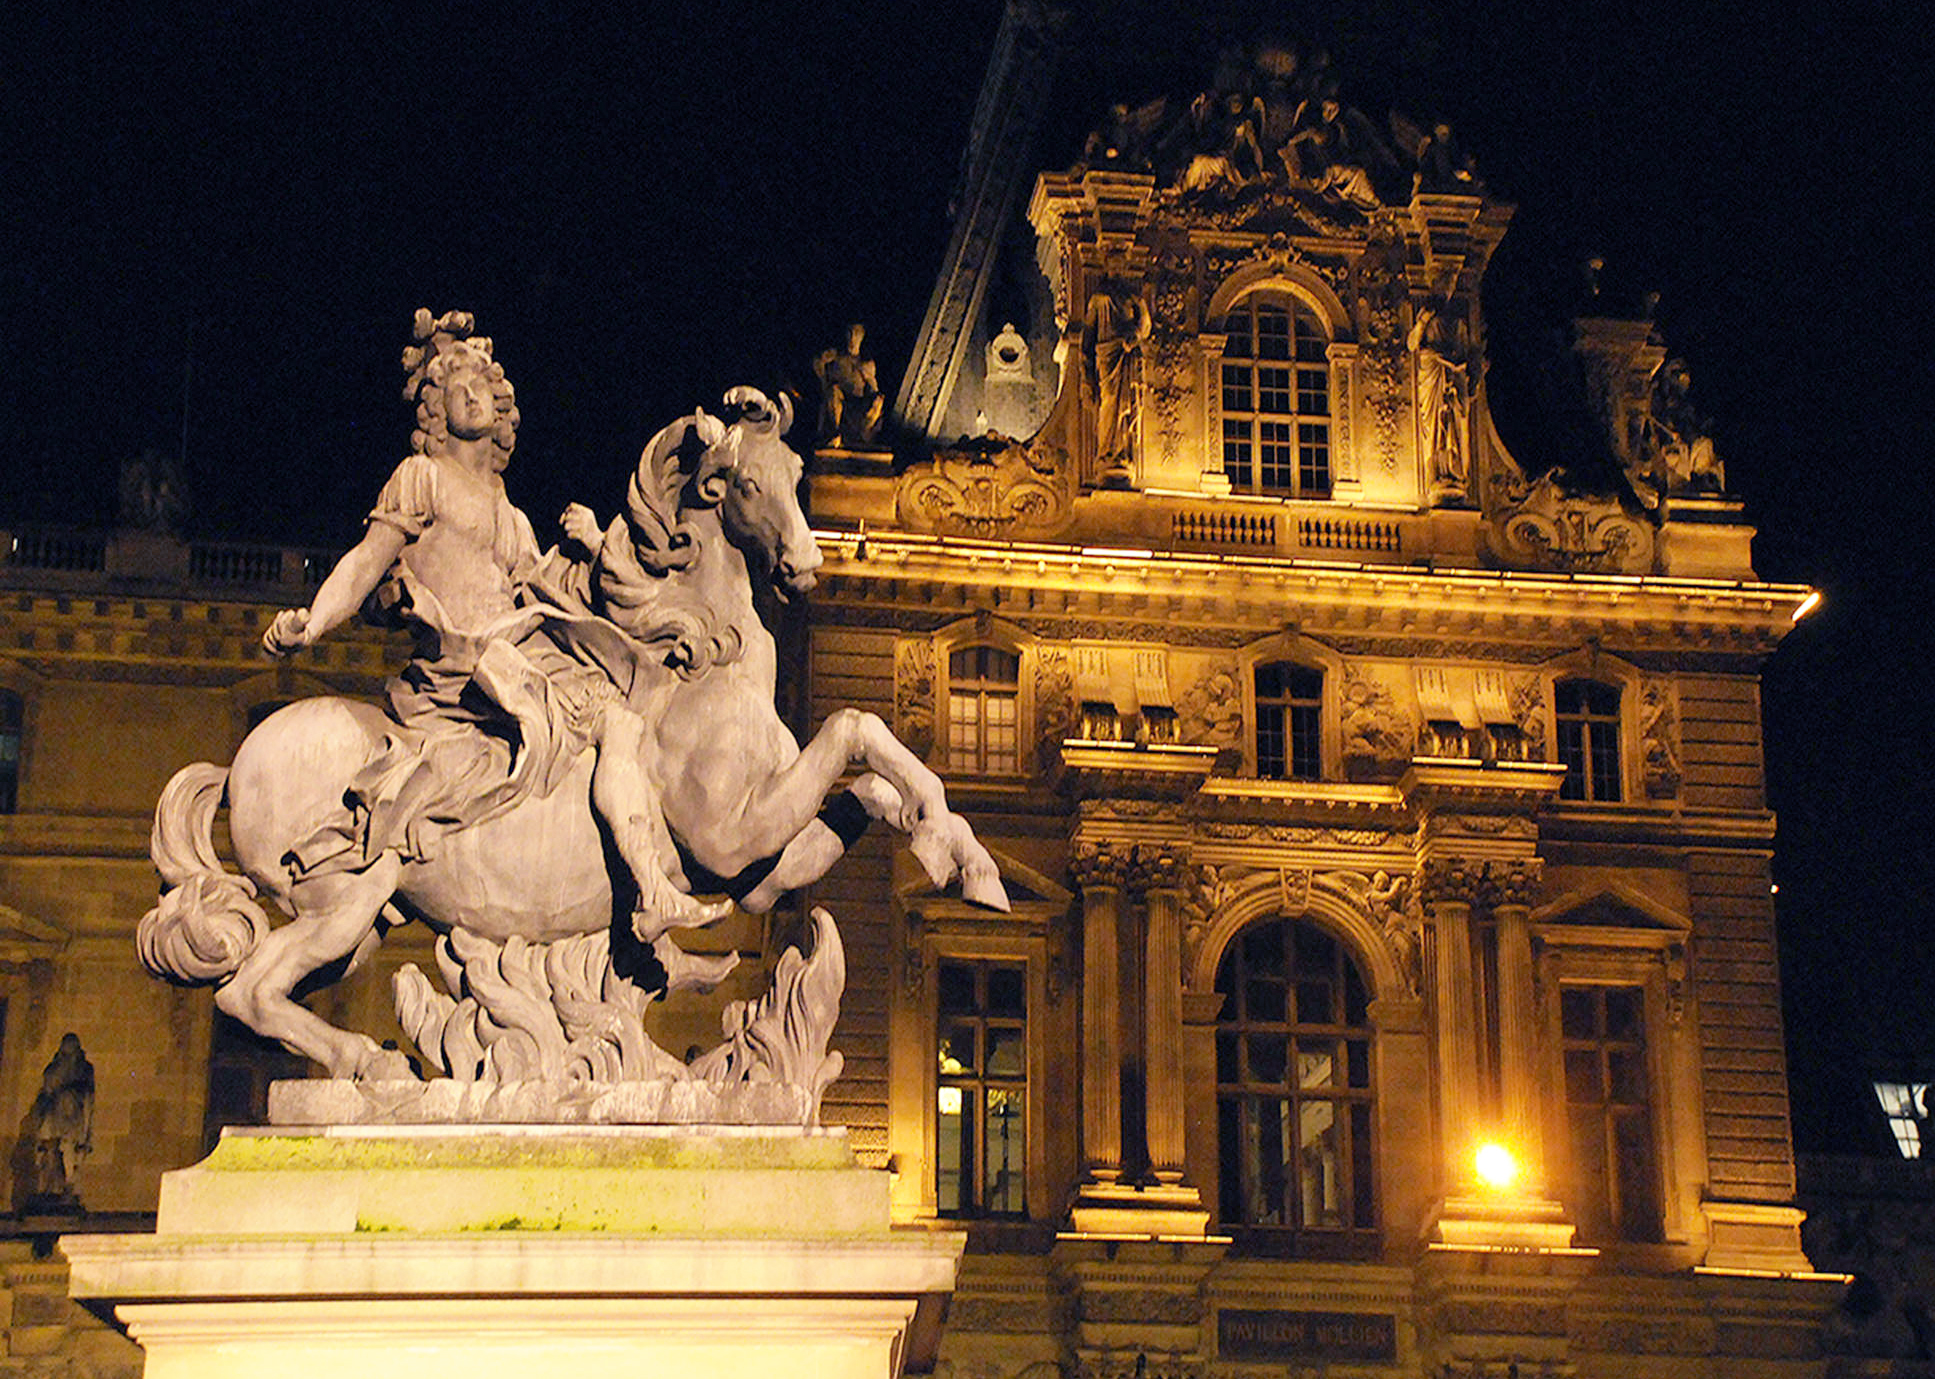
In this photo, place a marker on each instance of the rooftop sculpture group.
(618, 686)
(1274, 124)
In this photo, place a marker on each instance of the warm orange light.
(1496, 1166)
(1808, 604)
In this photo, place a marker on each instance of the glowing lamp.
(1497, 1168)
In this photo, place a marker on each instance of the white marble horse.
(675, 624)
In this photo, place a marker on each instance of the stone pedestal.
(521, 1250)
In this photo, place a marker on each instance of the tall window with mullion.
(1293, 1088)
(1289, 721)
(12, 728)
(1609, 1108)
(981, 1111)
(1587, 718)
(983, 714)
(1276, 398)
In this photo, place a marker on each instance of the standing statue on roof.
(446, 555)
(1442, 343)
(1115, 327)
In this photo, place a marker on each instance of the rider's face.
(470, 411)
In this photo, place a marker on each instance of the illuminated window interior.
(1906, 1106)
(1276, 399)
(981, 1111)
(1293, 1087)
(983, 715)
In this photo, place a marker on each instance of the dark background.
(241, 205)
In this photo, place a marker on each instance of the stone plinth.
(521, 1250)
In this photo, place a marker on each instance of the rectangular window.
(1276, 467)
(1586, 717)
(1237, 396)
(12, 725)
(1289, 722)
(981, 1105)
(1273, 389)
(983, 710)
(1609, 1110)
(1313, 458)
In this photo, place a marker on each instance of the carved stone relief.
(1659, 736)
(1172, 351)
(914, 694)
(1054, 697)
(989, 490)
(1381, 298)
(1210, 712)
(1528, 711)
(1378, 733)
(1543, 527)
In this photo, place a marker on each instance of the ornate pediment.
(992, 489)
(1541, 526)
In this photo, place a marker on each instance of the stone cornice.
(1117, 770)
(1746, 618)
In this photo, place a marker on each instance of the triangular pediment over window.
(1610, 907)
(24, 938)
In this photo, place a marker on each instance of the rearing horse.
(742, 800)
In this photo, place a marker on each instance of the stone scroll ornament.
(609, 670)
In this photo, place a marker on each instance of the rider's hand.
(581, 525)
(288, 632)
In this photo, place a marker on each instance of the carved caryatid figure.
(1115, 328)
(1442, 345)
(850, 396)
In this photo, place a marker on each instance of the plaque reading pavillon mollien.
(1272, 1333)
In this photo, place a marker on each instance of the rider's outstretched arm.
(355, 575)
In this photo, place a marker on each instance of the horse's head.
(753, 477)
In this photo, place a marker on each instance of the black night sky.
(643, 209)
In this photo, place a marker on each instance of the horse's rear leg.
(334, 917)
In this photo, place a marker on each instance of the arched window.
(1587, 717)
(983, 710)
(1276, 398)
(1289, 721)
(1293, 1089)
(12, 726)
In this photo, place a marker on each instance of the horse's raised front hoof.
(384, 1065)
(981, 885)
(934, 850)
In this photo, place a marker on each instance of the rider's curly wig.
(444, 347)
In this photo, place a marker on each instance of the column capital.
(1097, 866)
(1481, 884)
(1161, 868)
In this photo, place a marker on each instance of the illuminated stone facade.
(1365, 802)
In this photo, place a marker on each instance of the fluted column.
(1101, 874)
(1448, 890)
(1164, 879)
(1514, 883)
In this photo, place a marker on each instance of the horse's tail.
(206, 921)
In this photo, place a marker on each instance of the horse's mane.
(682, 474)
